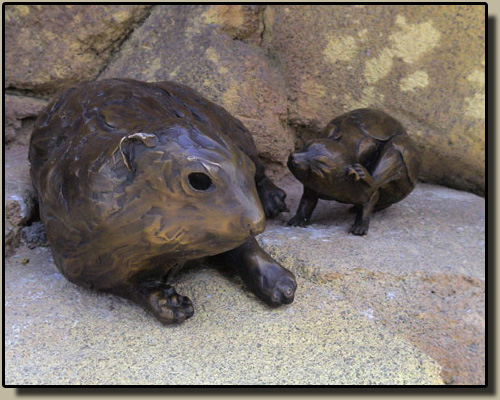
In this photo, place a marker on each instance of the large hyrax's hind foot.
(267, 279)
(164, 302)
(271, 197)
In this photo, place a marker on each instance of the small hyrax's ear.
(129, 143)
(332, 131)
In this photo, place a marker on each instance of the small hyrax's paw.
(357, 172)
(170, 307)
(359, 229)
(298, 221)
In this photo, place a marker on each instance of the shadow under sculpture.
(364, 157)
(135, 178)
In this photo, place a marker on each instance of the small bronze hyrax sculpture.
(364, 158)
(135, 178)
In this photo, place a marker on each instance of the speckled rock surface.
(425, 65)
(210, 49)
(49, 47)
(404, 305)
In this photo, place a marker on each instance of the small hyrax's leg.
(307, 204)
(362, 222)
(267, 279)
(389, 167)
(271, 197)
(163, 302)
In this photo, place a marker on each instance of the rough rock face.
(49, 47)
(207, 50)
(423, 65)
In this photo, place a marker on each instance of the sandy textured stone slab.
(58, 334)
(420, 271)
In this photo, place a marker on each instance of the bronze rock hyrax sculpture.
(135, 178)
(364, 158)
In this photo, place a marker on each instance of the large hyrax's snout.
(253, 218)
(239, 201)
(254, 223)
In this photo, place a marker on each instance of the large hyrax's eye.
(200, 181)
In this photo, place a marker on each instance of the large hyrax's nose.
(254, 222)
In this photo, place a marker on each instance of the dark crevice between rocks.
(264, 32)
(117, 45)
(266, 39)
(14, 91)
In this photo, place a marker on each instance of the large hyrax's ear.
(129, 143)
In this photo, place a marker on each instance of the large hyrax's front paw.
(298, 220)
(274, 285)
(271, 197)
(168, 306)
(283, 291)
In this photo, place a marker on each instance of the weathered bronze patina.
(134, 179)
(364, 158)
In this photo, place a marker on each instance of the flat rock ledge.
(403, 305)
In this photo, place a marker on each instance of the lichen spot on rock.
(225, 15)
(121, 16)
(419, 79)
(212, 55)
(379, 67)
(411, 41)
(477, 77)
(340, 49)
(475, 106)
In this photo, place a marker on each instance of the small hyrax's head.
(320, 164)
(197, 194)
